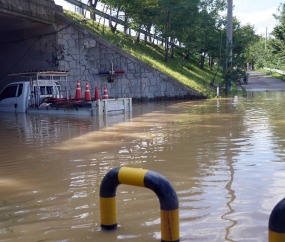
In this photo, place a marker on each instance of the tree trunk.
(113, 28)
(148, 32)
(94, 7)
(101, 17)
(110, 18)
(138, 35)
(172, 49)
(122, 38)
(202, 62)
(166, 38)
(213, 81)
(166, 49)
(117, 17)
(126, 24)
(104, 22)
(187, 57)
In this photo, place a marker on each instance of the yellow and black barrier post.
(143, 178)
(276, 226)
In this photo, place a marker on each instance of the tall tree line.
(186, 26)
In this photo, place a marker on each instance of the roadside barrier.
(169, 206)
(87, 96)
(96, 93)
(78, 94)
(275, 70)
(276, 226)
(105, 96)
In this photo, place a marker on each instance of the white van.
(20, 96)
(14, 97)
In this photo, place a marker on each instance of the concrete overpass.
(24, 40)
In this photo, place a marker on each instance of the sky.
(258, 13)
(255, 12)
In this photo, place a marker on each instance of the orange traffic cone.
(78, 94)
(70, 97)
(96, 93)
(87, 93)
(105, 96)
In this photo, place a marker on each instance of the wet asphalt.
(259, 81)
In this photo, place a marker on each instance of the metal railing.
(275, 70)
(107, 16)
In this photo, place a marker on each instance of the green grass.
(190, 74)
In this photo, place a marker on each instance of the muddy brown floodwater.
(225, 159)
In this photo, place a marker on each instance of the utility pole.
(229, 40)
(266, 38)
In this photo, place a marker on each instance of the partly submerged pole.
(169, 206)
(229, 40)
(218, 88)
(276, 225)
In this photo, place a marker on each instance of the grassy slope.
(191, 75)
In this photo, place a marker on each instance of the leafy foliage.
(190, 28)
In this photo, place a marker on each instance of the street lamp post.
(229, 40)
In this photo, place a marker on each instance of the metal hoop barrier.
(277, 223)
(143, 178)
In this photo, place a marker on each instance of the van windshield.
(9, 92)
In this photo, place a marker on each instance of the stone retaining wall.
(84, 54)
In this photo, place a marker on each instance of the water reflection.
(225, 159)
(231, 192)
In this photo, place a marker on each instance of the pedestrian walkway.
(259, 81)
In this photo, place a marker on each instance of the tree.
(243, 38)
(277, 44)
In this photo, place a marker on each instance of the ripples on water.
(225, 159)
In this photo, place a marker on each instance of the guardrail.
(107, 16)
(275, 70)
(169, 206)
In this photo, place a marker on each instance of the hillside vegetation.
(187, 72)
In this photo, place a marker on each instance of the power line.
(30, 49)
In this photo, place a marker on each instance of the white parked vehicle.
(14, 97)
(47, 92)
(19, 96)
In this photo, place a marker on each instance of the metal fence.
(275, 70)
(83, 6)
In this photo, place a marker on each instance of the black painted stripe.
(109, 227)
(169, 241)
(277, 218)
(163, 189)
(110, 183)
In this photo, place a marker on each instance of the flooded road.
(259, 81)
(225, 159)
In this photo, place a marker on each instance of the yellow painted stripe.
(169, 225)
(108, 210)
(275, 237)
(132, 176)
